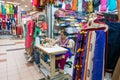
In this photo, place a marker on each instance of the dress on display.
(29, 36)
(3, 9)
(4, 24)
(11, 9)
(7, 9)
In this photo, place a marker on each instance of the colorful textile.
(90, 6)
(112, 5)
(80, 5)
(96, 4)
(7, 9)
(84, 6)
(103, 6)
(0, 8)
(15, 7)
(99, 55)
(4, 24)
(74, 5)
(3, 9)
(11, 9)
(44, 25)
(30, 32)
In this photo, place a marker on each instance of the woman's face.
(62, 35)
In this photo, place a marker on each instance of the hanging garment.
(19, 30)
(96, 4)
(15, 7)
(3, 9)
(90, 56)
(90, 6)
(36, 3)
(42, 3)
(29, 36)
(0, 8)
(74, 5)
(80, 5)
(11, 9)
(113, 45)
(4, 24)
(99, 55)
(44, 25)
(0, 25)
(103, 6)
(8, 25)
(68, 5)
(112, 5)
(7, 9)
(84, 6)
(3, 16)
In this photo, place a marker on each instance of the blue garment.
(113, 45)
(8, 25)
(36, 56)
(99, 54)
(84, 57)
(112, 5)
(3, 9)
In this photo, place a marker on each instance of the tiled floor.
(13, 65)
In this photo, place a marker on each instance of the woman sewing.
(61, 58)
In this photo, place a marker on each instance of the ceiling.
(25, 5)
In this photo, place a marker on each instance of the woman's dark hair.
(65, 33)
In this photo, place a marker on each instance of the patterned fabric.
(90, 6)
(84, 6)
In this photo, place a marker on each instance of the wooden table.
(51, 52)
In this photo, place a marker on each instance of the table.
(51, 52)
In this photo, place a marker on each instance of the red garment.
(0, 15)
(4, 24)
(15, 16)
(44, 26)
(30, 32)
(36, 2)
(19, 30)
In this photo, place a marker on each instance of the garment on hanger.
(103, 6)
(11, 9)
(74, 5)
(96, 4)
(8, 25)
(84, 6)
(80, 5)
(36, 2)
(30, 32)
(0, 8)
(3, 9)
(4, 24)
(112, 5)
(44, 25)
(7, 9)
(90, 6)
(15, 7)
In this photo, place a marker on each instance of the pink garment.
(62, 62)
(103, 6)
(29, 36)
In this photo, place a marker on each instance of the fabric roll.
(99, 55)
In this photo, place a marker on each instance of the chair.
(69, 61)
